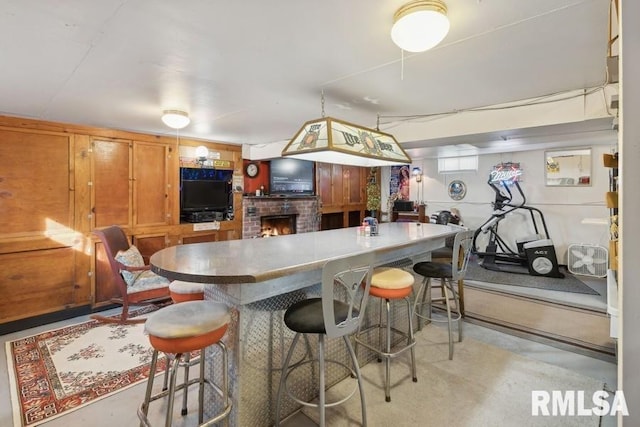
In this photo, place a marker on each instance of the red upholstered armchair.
(136, 283)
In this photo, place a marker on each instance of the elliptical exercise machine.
(533, 255)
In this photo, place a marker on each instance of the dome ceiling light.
(420, 25)
(175, 119)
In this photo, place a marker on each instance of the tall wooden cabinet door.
(37, 236)
(150, 184)
(329, 185)
(36, 191)
(111, 182)
(354, 188)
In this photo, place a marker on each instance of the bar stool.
(337, 313)
(181, 291)
(179, 329)
(444, 254)
(186, 291)
(389, 284)
(448, 274)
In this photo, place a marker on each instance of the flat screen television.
(204, 190)
(289, 177)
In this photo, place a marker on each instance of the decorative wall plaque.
(457, 189)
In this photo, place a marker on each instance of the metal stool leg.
(445, 288)
(283, 378)
(356, 368)
(172, 389)
(387, 386)
(187, 358)
(147, 394)
(411, 339)
(459, 311)
(321, 369)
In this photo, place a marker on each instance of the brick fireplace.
(283, 215)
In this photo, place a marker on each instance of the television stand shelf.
(203, 216)
(280, 197)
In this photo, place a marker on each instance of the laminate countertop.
(259, 260)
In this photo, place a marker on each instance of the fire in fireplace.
(277, 225)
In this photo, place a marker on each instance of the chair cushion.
(446, 252)
(131, 258)
(391, 278)
(306, 316)
(188, 319)
(138, 280)
(433, 269)
(146, 280)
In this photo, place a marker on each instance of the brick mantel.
(307, 208)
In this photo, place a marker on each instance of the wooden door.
(354, 185)
(111, 183)
(329, 186)
(150, 184)
(36, 190)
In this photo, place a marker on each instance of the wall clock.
(457, 189)
(252, 170)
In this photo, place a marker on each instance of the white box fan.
(587, 260)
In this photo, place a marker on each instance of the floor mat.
(569, 283)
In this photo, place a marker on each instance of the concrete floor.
(588, 366)
(120, 409)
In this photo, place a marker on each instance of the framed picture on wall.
(399, 182)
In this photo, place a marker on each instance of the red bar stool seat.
(179, 329)
(186, 291)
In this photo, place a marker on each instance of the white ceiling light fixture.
(175, 119)
(420, 25)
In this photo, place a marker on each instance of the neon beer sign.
(509, 172)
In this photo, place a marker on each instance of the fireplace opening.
(277, 225)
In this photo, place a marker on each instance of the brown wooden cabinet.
(130, 183)
(342, 194)
(111, 182)
(58, 182)
(40, 250)
(151, 184)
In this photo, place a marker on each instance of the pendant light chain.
(322, 101)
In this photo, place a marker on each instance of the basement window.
(458, 164)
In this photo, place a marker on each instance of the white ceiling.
(251, 72)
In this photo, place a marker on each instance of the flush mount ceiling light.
(330, 140)
(175, 119)
(420, 25)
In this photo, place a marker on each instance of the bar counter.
(260, 278)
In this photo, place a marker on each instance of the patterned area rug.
(58, 371)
